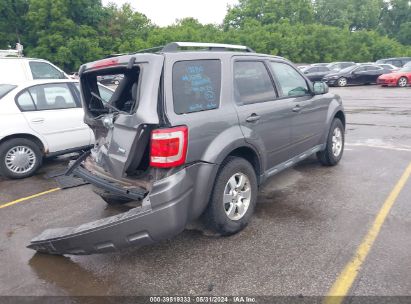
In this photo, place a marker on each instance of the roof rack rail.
(174, 46)
(151, 50)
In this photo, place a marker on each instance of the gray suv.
(193, 130)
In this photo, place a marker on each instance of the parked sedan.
(316, 73)
(338, 66)
(362, 74)
(41, 118)
(389, 67)
(401, 78)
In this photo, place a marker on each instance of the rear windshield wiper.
(106, 104)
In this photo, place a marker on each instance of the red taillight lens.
(168, 147)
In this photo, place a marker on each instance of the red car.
(400, 78)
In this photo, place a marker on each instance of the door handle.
(297, 108)
(37, 120)
(253, 118)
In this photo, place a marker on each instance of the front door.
(308, 111)
(57, 115)
(265, 120)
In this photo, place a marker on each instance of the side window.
(360, 69)
(196, 85)
(252, 82)
(291, 82)
(43, 70)
(24, 102)
(323, 69)
(372, 68)
(52, 97)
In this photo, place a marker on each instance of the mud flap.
(101, 236)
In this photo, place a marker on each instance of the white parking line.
(388, 147)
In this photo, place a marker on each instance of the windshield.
(5, 88)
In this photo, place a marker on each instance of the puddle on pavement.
(69, 276)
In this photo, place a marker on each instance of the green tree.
(12, 21)
(352, 14)
(396, 16)
(268, 12)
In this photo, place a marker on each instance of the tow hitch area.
(101, 236)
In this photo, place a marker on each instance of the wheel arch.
(31, 137)
(341, 116)
(250, 155)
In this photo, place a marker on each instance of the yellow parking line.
(343, 284)
(27, 198)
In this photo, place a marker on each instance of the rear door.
(308, 112)
(373, 72)
(53, 111)
(264, 118)
(358, 76)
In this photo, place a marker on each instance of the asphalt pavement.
(308, 224)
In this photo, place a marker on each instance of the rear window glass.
(5, 88)
(196, 85)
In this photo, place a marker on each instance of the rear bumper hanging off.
(162, 214)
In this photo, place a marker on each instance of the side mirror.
(320, 88)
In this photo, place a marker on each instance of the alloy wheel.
(402, 82)
(237, 196)
(337, 142)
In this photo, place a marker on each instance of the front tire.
(233, 198)
(342, 82)
(335, 145)
(19, 158)
(402, 82)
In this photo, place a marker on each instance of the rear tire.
(19, 158)
(111, 199)
(402, 82)
(335, 145)
(233, 198)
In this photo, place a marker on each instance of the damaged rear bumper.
(164, 213)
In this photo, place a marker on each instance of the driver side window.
(291, 82)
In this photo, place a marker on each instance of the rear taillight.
(168, 147)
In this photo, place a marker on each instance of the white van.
(23, 69)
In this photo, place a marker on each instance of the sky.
(165, 12)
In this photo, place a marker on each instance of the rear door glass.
(25, 102)
(196, 85)
(52, 97)
(252, 83)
